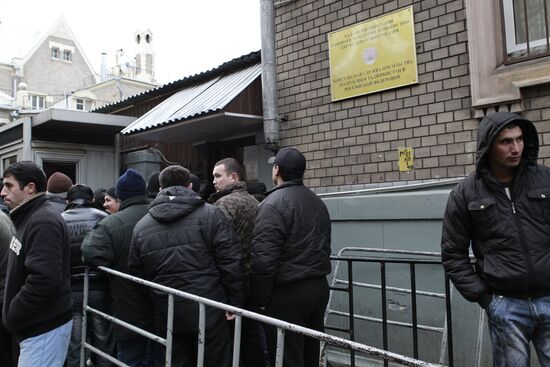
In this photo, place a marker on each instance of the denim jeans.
(140, 352)
(99, 330)
(513, 324)
(48, 349)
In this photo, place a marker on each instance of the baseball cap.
(290, 160)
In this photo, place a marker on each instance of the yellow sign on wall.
(406, 159)
(374, 55)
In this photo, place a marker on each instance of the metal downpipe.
(269, 75)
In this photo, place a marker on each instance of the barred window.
(526, 26)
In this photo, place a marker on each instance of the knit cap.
(130, 184)
(58, 183)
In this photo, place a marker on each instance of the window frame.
(8, 159)
(37, 101)
(67, 56)
(55, 53)
(83, 104)
(510, 30)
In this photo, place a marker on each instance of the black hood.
(491, 126)
(174, 202)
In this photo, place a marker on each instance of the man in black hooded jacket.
(187, 244)
(503, 210)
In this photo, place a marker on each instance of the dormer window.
(83, 104)
(67, 55)
(60, 51)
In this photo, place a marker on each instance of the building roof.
(244, 61)
(196, 100)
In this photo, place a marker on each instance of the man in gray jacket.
(503, 210)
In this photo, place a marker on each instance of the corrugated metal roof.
(208, 96)
(229, 66)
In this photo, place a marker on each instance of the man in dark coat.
(108, 245)
(187, 244)
(291, 258)
(37, 298)
(80, 217)
(503, 210)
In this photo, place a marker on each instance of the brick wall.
(353, 143)
(536, 103)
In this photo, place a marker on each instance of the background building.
(45, 70)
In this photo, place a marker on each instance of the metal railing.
(412, 260)
(282, 327)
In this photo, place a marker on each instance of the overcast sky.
(189, 36)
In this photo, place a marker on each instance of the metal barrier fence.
(348, 285)
(282, 327)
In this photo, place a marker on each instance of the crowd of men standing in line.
(271, 258)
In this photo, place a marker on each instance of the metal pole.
(384, 312)
(351, 311)
(448, 305)
(202, 334)
(169, 331)
(237, 341)
(280, 347)
(526, 16)
(84, 317)
(414, 311)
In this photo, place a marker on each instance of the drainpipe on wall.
(117, 81)
(103, 66)
(27, 139)
(269, 75)
(117, 156)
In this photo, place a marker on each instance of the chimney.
(103, 66)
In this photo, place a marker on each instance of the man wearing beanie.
(290, 258)
(108, 245)
(56, 188)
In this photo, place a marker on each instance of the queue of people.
(270, 257)
(162, 230)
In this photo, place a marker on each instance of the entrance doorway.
(67, 168)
